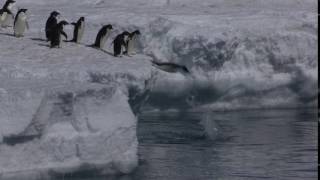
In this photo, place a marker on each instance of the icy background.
(74, 108)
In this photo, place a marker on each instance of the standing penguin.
(120, 43)
(51, 23)
(102, 36)
(55, 34)
(131, 42)
(6, 13)
(78, 30)
(20, 23)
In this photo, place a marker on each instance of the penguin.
(6, 12)
(119, 43)
(131, 42)
(51, 23)
(20, 23)
(55, 34)
(78, 30)
(170, 67)
(102, 36)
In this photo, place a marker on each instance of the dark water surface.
(261, 144)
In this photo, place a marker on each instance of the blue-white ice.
(80, 103)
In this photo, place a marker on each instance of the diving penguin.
(171, 67)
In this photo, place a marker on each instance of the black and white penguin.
(170, 67)
(20, 23)
(132, 42)
(120, 43)
(51, 23)
(102, 36)
(78, 30)
(6, 13)
(55, 34)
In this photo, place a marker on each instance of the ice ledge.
(65, 130)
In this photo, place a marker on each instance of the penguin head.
(134, 33)
(10, 1)
(9, 4)
(82, 18)
(108, 27)
(185, 69)
(23, 10)
(137, 32)
(126, 33)
(54, 13)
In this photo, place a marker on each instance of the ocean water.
(255, 144)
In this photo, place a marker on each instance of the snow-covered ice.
(75, 108)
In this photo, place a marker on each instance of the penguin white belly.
(60, 40)
(80, 32)
(20, 25)
(123, 49)
(104, 39)
(3, 17)
(8, 20)
(130, 46)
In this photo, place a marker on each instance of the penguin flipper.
(64, 34)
